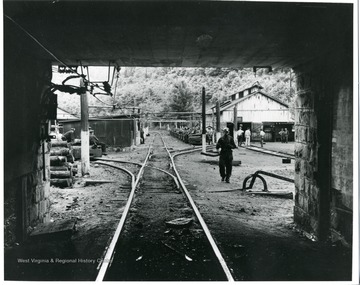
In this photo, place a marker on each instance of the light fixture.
(97, 84)
(98, 78)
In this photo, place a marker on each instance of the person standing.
(142, 136)
(226, 144)
(239, 135)
(286, 134)
(247, 137)
(282, 135)
(262, 136)
(209, 135)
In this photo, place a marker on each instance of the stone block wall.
(306, 210)
(25, 79)
(342, 164)
(32, 198)
(324, 150)
(38, 204)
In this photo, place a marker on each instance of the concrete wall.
(25, 79)
(323, 149)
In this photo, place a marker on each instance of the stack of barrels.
(62, 168)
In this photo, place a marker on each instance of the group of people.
(240, 135)
(284, 135)
(69, 137)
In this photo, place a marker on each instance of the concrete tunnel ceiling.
(182, 33)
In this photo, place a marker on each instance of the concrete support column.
(85, 145)
(313, 134)
(307, 190)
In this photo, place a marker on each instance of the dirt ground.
(255, 233)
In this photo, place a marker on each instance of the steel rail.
(199, 217)
(191, 149)
(121, 168)
(139, 164)
(110, 251)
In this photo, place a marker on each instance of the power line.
(48, 51)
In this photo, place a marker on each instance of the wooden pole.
(213, 125)
(235, 123)
(203, 121)
(85, 148)
(135, 131)
(218, 133)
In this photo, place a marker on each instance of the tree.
(154, 92)
(181, 99)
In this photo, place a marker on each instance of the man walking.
(226, 144)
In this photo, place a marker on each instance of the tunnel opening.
(319, 51)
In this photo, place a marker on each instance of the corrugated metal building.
(255, 110)
(119, 131)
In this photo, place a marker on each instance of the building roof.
(248, 86)
(250, 95)
(230, 103)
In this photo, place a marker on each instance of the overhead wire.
(103, 101)
(48, 51)
(63, 63)
(69, 68)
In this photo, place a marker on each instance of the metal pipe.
(256, 175)
(274, 175)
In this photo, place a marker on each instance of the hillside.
(159, 90)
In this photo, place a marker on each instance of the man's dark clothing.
(227, 144)
(286, 134)
(93, 140)
(68, 136)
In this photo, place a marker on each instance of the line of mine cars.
(192, 135)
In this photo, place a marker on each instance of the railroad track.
(161, 235)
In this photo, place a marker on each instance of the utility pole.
(203, 121)
(85, 149)
(235, 122)
(213, 125)
(218, 133)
